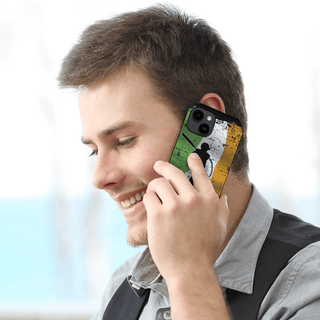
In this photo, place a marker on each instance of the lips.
(130, 202)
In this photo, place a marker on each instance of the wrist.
(197, 296)
(192, 279)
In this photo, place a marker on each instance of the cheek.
(157, 147)
(146, 162)
(162, 149)
(141, 163)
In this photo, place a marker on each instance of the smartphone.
(214, 136)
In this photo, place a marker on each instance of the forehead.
(119, 87)
(126, 96)
(120, 93)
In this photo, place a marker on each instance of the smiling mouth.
(128, 203)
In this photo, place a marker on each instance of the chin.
(137, 238)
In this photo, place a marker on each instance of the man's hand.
(186, 225)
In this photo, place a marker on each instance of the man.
(138, 73)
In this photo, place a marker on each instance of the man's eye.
(93, 153)
(119, 144)
(125, 142)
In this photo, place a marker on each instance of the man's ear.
(214, 101)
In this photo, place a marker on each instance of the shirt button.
(167, 315)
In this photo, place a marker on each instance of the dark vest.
(287, 235)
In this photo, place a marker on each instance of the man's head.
(138, 74)
(128, 130)
(182, 57)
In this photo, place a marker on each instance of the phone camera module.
(201, 121)
(204, 129)
(198, 115)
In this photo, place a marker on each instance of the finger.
(200, 178)
(163, 189)
(151, 201)
(174, 175)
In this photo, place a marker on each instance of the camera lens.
(204, 128)
(198, 115)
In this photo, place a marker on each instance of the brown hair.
(183, 57)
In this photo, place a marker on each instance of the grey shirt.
(294, 295)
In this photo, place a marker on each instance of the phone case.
(216, 150)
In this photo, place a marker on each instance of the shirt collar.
(144, 274)
(144, 271)
(236, 265)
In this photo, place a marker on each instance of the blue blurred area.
(37, 267)
(26, 266)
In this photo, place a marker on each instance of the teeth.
(130, 202)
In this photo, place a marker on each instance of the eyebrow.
(108, 132)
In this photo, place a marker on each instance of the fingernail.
(157, 163)
(194, 155)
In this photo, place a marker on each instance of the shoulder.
(296, 289)
(290, 229)
(305, 257)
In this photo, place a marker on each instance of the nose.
(107, 172)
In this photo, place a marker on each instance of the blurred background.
(60, 239)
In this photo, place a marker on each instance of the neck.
(238, 190)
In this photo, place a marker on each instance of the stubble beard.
(137, 240)
(137, 233)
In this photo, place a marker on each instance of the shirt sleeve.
(295, 294)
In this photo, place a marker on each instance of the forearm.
(186, 228)
(197, 297)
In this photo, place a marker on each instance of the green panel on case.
(183, 148)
